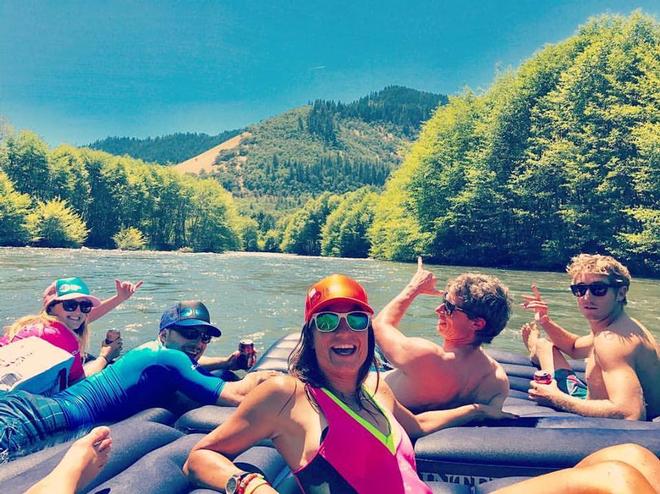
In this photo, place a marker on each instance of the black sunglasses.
(450, 308)
(596, 289)
(192, 333)
(72, 305)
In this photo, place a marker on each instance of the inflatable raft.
(149, 449)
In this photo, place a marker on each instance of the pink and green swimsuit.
(355, 457)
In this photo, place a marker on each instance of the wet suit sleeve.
(191, 381)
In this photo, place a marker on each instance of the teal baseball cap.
(67, 289)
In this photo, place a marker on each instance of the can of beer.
(111, 336)
(248, 355)
(542, 377)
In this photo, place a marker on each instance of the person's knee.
(615, 476)
(630, 453)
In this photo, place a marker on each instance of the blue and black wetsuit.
(137, 381)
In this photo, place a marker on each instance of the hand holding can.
(542, 377)
(248, 355)
(111, 336)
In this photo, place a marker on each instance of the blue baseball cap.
(188, 313)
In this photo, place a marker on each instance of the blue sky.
(76, 71)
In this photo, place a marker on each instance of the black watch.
(231, 487)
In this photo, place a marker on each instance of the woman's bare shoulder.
(376, 386)
(280, 387)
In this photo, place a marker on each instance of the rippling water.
(262, 295)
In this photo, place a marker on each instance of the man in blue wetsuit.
(141, 379)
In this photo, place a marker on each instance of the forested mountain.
(327, 145)
(168, 149)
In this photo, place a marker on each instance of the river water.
(261, 296)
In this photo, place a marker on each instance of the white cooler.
(34, 365)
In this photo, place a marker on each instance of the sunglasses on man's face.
(192, 333)
(596, 289)
(72, 305)
(327, 322)
(450, 308)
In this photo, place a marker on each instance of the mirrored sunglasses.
(196, 312)
(327, 322)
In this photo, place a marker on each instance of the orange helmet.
(335, 287)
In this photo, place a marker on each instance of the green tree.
(55, 224)
(345, 231)
(302, 231)
(14, 212)
(108, 184)
(69, 179)
(211, 223)
(27, 164)
(557, 157)
(248, 234)
(129, 239)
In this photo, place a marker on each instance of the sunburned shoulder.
(422, 346)
(626, 332)
(613, 344)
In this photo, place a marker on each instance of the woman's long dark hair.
(304, 365)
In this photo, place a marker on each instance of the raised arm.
(569, 343)
(397, 347)
(625, 396)
(209, 463)
(125, 290)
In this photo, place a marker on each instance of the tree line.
(70, 197)
(401, 106)
(168, 149)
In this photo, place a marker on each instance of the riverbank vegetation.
(70, 197)
(557, 157)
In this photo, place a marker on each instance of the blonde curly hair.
(616, 272)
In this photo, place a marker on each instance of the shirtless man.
(622, 366)
(428, 376)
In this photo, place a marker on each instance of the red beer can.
(111, 336)
(542, 377)
(248, 355)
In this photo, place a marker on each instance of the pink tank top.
(366, 459)
(56, 334)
